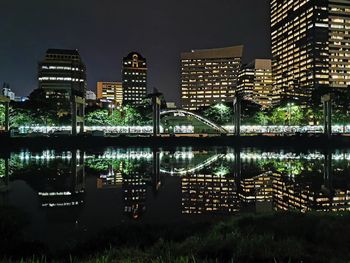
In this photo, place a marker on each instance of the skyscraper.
(310, 45)
(256, 83)
(209, 76)
(134, 78)
(62, 74)
(112, 91)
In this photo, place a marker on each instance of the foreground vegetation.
(281, 237)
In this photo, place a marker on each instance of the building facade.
(134, 79)
(62, 74)
(209, 76)
(7, 92)
(256, 83)
(310, 45)
(111, 91)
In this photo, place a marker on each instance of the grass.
(281, 237)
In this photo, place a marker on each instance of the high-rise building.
(62, 74)
(111, 91)
(209, 194)
(134, 78)
(310, 45)
(209, 76)
(256, 83)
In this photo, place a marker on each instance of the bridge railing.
(188, 129)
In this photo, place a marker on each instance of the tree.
(219, 113)
(98, 118)
(261, 118)
(2, 114)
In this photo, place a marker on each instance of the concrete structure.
(62, 74)
(310, 46)
(111, 91)
(256, 83)
(134, 79)
(78, 114)
(209, 76)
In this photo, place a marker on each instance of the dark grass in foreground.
(282, 237)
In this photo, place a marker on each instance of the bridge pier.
(156, 171)
(78, 114)
(327, 114)
(237, 111)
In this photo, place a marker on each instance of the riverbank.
(84, 142)
(280, 237)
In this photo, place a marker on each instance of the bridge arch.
(196, 116)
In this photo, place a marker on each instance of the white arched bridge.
(196, 116)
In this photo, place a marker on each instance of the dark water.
(71, 195)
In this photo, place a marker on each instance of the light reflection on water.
(73, 194)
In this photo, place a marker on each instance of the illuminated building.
(134, 193)
(256, 189)
(7, 92)
(256, 83)
(62, 74)
(209, 76)
(209, 194)
(113, 179)
(304, 196)
(90, 95)
(310, 45)
(134, 78)
(111, 91)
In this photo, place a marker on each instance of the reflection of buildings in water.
(291, 195)
(112, 179)
(65, 187)
(256, 189)
(206, 194)
(134, 193)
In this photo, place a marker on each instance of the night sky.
(104, 31)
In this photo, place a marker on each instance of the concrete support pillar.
(327, 114)
(156, 171)
(74, 118)
(78, 114)
(156, 115)
(237, 111)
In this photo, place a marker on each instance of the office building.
(209, 76)
(310, 46)
(7, 92)
(134, 79)
(111, 91)
(90, 95)
(209, 194)
(256, 83)
(62, 74)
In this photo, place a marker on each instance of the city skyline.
(103, 39)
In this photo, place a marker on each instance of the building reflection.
(134, 194)
(209, 194)
(64, 186)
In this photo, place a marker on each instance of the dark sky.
(104, 31)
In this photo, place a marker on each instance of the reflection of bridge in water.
(230, 190)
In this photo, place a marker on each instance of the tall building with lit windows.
(310, 45)
(209, 194)
(134, 78)
(255, 83)
(209, 76)
(62, 74)
(111, 91)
